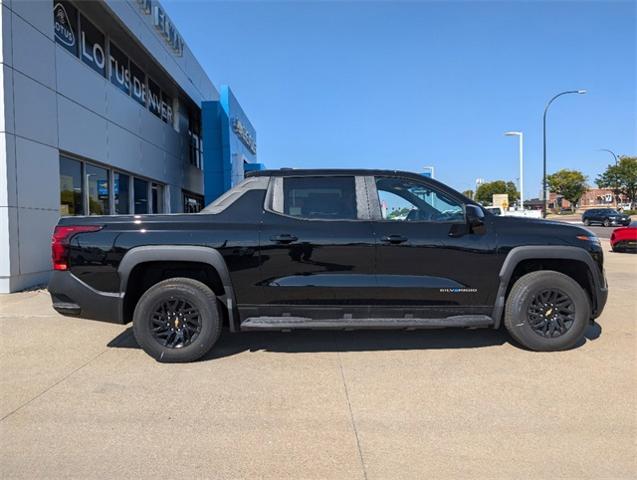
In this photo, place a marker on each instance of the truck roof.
(328, 171)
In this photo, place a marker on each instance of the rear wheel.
(177, 320)
(587, 222)
(547, 311)
(606, 222)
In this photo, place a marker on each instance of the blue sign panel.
(230, 145)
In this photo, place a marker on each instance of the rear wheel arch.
(142, 267)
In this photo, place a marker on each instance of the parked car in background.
(494, 210)
(624, 239)
(604, 216)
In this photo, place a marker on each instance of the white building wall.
(51, 101)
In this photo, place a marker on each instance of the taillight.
(61, 240)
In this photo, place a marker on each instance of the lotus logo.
(63, 30)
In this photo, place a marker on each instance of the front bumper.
(73, 297)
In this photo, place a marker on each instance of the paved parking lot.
(79, 399)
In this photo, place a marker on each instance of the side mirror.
(475, 218)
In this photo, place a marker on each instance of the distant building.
(592, 198)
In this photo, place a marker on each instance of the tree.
(468, 193)
(571, 184)
(485, 191)
(621, 178)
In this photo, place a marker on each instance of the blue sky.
(407, 84)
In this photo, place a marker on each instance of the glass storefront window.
(70, 187)
(193, 203)
(158, 198)
(98, 190)
(141, 196)
(92, 46)
(121, 193)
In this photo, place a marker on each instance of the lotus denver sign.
(89, 43)
(163, 24)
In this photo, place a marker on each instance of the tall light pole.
(611, 152)
(615, 195)
(520, 135)
(546, 109)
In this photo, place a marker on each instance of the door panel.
(419, 265)
(317, 248)
(308, 262)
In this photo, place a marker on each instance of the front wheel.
(606, 222)
(547, 311)
(587, 222)
(177, 320)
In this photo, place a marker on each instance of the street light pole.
(615, 195)
(520, 135)
(611, 152)
(546, 109)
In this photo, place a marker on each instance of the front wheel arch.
(575, 262)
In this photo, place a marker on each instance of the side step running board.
(291, 323)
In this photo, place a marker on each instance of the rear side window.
(328, 198)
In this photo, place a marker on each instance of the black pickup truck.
(328, 249)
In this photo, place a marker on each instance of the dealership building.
(104, 110)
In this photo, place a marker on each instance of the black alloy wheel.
(551, 313)
(175, 323)
(547, 311)
(177, 320)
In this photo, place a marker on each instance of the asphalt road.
(80, 399)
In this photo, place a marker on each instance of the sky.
(404, 85)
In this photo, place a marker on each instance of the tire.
(587, 222)
(606, 222)
(177, 320)
(523, 299)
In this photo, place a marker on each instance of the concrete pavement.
(79, 399)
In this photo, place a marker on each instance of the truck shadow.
(312, 341)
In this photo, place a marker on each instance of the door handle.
(283, 238)
(395, 239)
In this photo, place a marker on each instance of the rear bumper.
(72, 297)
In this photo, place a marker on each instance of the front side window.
(328, 198)
(406, 200)
(70, 187)
(98, 190)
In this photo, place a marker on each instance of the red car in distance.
(624, 239)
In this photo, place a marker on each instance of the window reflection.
(141, 196)
(121, 193)
(98, 190)
(70, 187)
